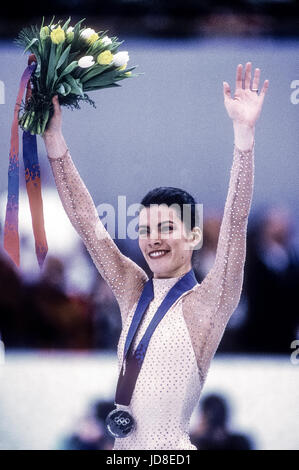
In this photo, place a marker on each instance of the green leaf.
(65, 26)
(129, 69)
(52, 20)
(64, 89)
(61, 89)
(102, 33)
(93, 88)
(51, 65)
(63, 56)
(30, 44)
(68, 88)
(44, 60)
(76, 29)
(102, 80)
(38, 69)
(59, 48)
(68, 69)
(95, 70)
(75, 85)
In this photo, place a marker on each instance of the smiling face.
(164, 241)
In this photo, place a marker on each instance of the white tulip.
(86, 33)
(69, 30)
(106, 41)
(86, 61)
(121, 58)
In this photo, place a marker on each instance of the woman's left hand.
(246, 105)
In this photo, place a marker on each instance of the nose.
(155, 243)
(154, 239)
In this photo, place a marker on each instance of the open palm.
(246, 105)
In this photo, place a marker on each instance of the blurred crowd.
(176, 18)
(44, 314)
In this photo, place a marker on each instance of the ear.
(196, 238)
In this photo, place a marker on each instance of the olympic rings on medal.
(121, 421)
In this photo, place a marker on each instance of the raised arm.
(226, 276)
(125, 277)
(218, 295)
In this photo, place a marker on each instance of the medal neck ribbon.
(133, 362)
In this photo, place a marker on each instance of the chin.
(163, 271)
(159, 269)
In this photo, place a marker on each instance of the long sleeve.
(125, 278)
(209, 307)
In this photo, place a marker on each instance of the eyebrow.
(159, 224)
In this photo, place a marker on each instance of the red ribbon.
(33, 185)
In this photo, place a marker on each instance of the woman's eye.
(142, 232)
(166, 228)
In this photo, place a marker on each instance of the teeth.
(157, 253)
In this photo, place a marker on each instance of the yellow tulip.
(92, 38)
(105, 58)
(57, 35)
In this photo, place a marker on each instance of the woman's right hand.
(54, 126)
(53, 138)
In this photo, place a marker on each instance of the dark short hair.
(169, 196)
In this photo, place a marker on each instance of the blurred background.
(60, 326)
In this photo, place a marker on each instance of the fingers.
(56, 105)
(264, 89)
(239, 76)
(247, 78)
(226, 91)
(256, 79)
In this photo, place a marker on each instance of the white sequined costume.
(182, 347)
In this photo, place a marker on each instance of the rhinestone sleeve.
(125, 278)
(209, 306)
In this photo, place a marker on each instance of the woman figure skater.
(178, 355)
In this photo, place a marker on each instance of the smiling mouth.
(158, 254)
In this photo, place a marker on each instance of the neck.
(178, 273)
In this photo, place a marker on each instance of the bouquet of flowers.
(67, 61)
(70, 61)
